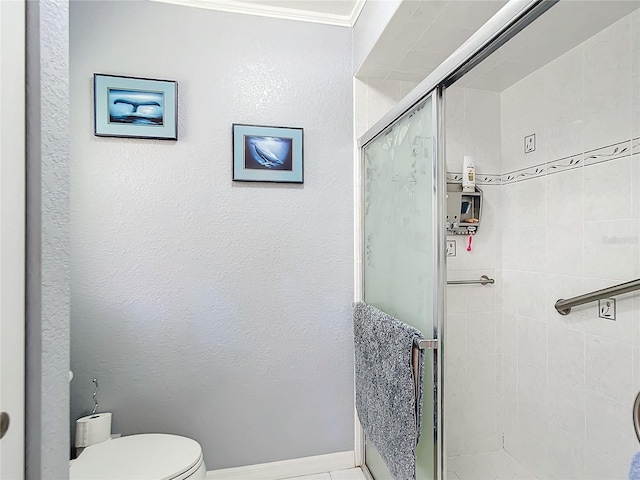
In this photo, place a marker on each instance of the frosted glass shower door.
(399, 250)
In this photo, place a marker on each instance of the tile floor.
(497, 465)
(350, 474)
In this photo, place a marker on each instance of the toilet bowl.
(150, 456)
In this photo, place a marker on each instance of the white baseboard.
(297, 467)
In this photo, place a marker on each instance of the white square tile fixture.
(530, 143)
(623, 329)
(451, 249)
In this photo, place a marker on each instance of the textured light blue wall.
(208, 308)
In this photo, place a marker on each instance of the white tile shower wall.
(373, 98)
(569, 382)
(473, 380)
(472, 118)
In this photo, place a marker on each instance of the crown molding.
(232, 6)
(357, 10)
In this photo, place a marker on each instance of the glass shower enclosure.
(403, 252)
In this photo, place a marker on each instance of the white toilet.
(152, 456)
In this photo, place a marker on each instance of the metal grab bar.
(636, 416)
(484, 280)
(564, 306)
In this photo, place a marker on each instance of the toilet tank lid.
(151, 456)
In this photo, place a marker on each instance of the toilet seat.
(151, 456)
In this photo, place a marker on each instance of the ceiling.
(343, 13)
(422, 34)
(563, 27)
(334, 7)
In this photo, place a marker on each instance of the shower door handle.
(4, 423)
(428, 344)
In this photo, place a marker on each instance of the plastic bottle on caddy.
(468, 175)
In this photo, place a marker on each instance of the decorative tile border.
(564, 164)
(524, 174)
(619, 150)
(592, 157)
(481, 179)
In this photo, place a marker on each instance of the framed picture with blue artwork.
(135, 107)
(267, 154)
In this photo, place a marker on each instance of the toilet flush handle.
(95, 396)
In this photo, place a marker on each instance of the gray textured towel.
(634, 470)
(389, 405)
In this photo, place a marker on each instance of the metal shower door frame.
(439, 268)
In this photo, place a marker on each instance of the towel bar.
(484, 280)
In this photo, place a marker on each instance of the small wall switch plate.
(451, 248)
(607, 308)
(530, 143)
